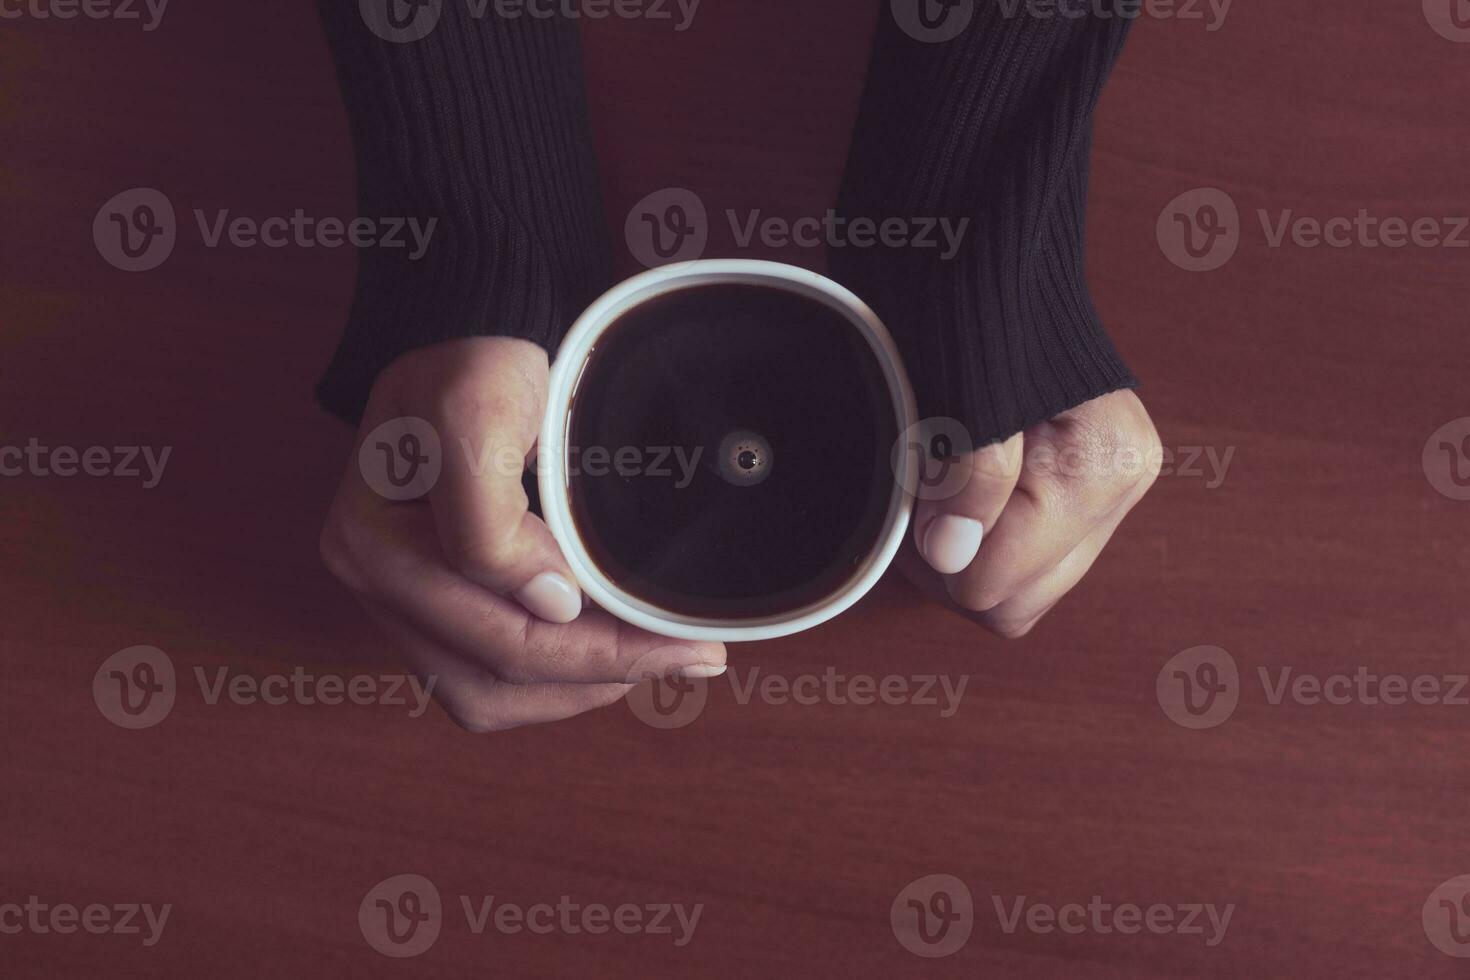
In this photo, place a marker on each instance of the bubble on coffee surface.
(745, 459)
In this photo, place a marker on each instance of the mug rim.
(566, 372)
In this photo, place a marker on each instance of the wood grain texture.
(1324, 549)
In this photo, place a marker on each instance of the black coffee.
(729, 451)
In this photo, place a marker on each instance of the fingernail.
(951, 543)
(551, 597)
(702, 670)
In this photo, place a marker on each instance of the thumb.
(948, 530)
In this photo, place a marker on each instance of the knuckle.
(474, 718)
(998, 462)
(519, 672)
(1011, 629)
(501, 412)
(461, 396)
(470, 702)
(1136, 438)
(338, 554)
(570, 653)
(1152, 449)
(978, 600)
(1054, 495)
(484, 559)
(1124, 456)
(524, 662)
(599, 661)
(406, 370)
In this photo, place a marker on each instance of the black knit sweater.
(482, 124)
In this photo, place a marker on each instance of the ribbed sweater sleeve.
(993, 125)
(480, 124)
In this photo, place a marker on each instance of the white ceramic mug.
(554, 485)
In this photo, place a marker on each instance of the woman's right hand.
(465, 579)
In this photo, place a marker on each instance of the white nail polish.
(551, 597)
(951, 543)
(702, 670)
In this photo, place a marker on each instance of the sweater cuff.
(481, 127)
(1002, 335)
(988, 133)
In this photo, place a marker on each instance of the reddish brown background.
(1060, 777)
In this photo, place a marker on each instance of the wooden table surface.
(1326, 548)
